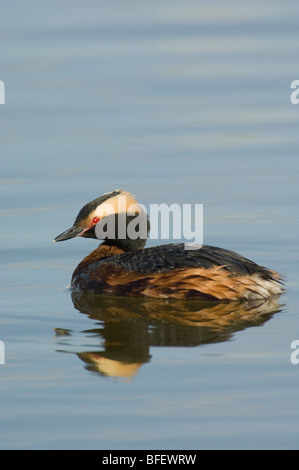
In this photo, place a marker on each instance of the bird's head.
(115, 217)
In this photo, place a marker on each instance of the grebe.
(122, 266)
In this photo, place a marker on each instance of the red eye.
(95, 220)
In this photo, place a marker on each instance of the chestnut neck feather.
(104, 250)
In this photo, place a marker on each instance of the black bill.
(70, 233)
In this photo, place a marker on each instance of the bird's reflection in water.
(130, 326)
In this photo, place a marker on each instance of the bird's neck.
(104, 250)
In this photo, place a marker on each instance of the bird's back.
(164, 258)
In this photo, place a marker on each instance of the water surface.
(175, 102)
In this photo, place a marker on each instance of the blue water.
(185, 102)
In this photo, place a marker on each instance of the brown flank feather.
(213, 283)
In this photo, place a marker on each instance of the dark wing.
(174, 256)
